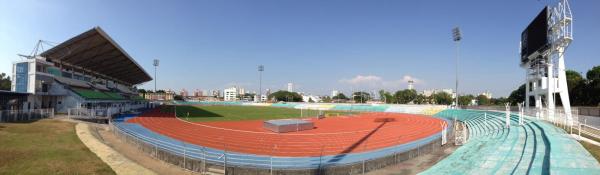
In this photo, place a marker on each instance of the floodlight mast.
(261, 68)
(456, 37)
(155, 67)
(545, 69)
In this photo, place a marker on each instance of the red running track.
(332, 136)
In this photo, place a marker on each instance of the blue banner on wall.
(21, 77)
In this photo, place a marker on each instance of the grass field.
(46, 147)
(233, 113)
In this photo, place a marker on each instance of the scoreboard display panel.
(535, 36)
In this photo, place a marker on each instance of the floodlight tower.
(155, 67)
(545, 67)
(456, 37)
(261, 68)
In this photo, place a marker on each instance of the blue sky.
(317, 45)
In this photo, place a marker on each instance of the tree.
(141, 91)
(285, 96)
(340, 96)
(576, 85)
(593, 74)
(382, 95)
(310, 100)
(498, 101)
(4, 82)
(517, 96)
(442, 98)
(160, 91)
(385, 96)
(420, 99)
(405, 96)
(483, 100)
(465, 100)
(592, 89)
(326, 99)
(361, 97)
(178, 97)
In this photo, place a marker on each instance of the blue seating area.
(537, 147)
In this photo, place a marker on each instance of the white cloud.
(373, 81)
(360, 79)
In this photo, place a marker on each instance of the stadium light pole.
(261, 68)
(155, 67)
(456, 37)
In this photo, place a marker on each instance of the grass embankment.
(234, 113)
(46, 147)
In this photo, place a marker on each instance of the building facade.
(230, 94)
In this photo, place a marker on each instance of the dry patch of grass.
(593, 149)
(46, 147)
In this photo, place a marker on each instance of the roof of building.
(95, 52)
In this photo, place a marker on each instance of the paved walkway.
(116, 161)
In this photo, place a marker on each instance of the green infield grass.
(234, 113)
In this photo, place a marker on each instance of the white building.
(334, 93)
(242, 91)
(290, 87)
(430, 92)
(314, 98)
(411, 84)
(230, 94)
(263, 98)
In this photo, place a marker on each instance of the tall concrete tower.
(411, 84)
(290, 87)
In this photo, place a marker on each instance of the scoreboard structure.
(543, 45)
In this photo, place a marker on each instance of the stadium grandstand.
(88, 71)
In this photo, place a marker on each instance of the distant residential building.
(183, 93)
(241, 91)
(198, 93)
(290, 87)
(230, 94)
(166, 96)
(216, 93)
(428, 92)
(263, 98)
(410, 84)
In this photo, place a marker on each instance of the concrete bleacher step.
(215, 171)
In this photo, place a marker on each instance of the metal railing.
(25, 115)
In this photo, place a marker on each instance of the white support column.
(520, 113)
(563, 90)
(507, 121)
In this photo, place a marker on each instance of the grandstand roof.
(95, 52)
